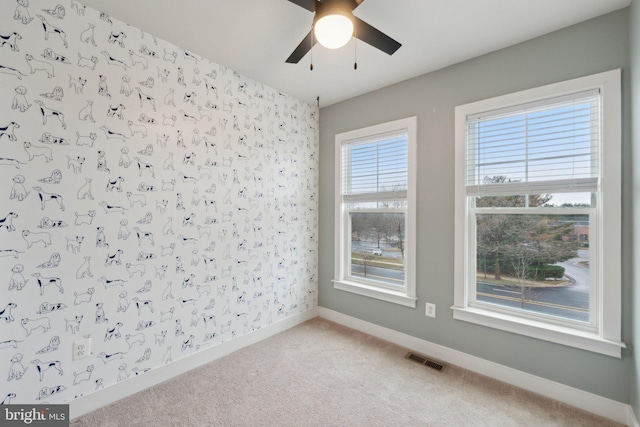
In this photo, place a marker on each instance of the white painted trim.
(341, 229)
(376, 292)
(605, 270)
(611, 409)
(573, 337)
(84, 405)
(632, 420)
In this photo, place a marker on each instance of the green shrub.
(541, 272)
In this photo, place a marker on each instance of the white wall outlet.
(430, 310)
(81, 348)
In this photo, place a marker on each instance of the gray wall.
(634, 49)
(590, 47)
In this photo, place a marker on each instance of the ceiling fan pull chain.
(311, 50)
(355, 50)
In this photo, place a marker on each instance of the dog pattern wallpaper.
(152, 200)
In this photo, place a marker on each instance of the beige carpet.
(322, 374)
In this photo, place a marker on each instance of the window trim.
(606, 339)
(342, 281)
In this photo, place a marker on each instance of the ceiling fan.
(344, 8)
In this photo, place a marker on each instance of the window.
(375, 211)
(538, 213)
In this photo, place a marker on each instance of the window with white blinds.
(538, 191)
(544, 146)
(375, 167)
(375, 211)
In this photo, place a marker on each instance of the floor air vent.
(438, 366)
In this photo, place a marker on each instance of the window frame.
(406, 296)
(604, 335)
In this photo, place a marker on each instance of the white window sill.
(584, 340)
(388, 295)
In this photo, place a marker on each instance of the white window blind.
(544, 146)
(375, 168)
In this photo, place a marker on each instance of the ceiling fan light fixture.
(333, 31)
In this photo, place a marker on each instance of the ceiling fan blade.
(374, 37)
(302, 49)
(310, 5)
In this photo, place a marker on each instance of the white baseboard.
(124, 389)
(611, 409)
(632, 419)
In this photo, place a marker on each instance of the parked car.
(376, 251)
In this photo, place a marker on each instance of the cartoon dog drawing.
(107, 283)
(54, 261)
(114, 258)
(142, 166)
(85, 218)
(32, 238)
(47, 138)
(34, 151)
(41, 367)
(17, 370)
(47, 197)
(86, 62)
(75, 163)
(11, 40)
(46, 392)
(9, 131)
(77, 84)
(51, 29)
(137, 59)
(113, 61)
(50, 112)
(113, 135)
(49, 54)
(19, 100)
(30, 325)
(100, 315)
(57, 11)
(54, 343)
(84, 269)
(82, 376)
(87, 140)
(56, 94)
(83, 297)
(87, 36)
(5, 313)
(84, 192)
(146, 98)
(133, 269)
(22, 13)
(134, 339)
(73, 325)
(108, 208)
(86, 114)
(46, 281)
(18, 190)
(74, 243)
(37, 65)
(17, 280)
(141, 199)
(116, 111)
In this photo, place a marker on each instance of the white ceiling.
(255, 37)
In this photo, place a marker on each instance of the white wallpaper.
(149, 199)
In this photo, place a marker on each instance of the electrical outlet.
(430, 310)
(81, 348)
